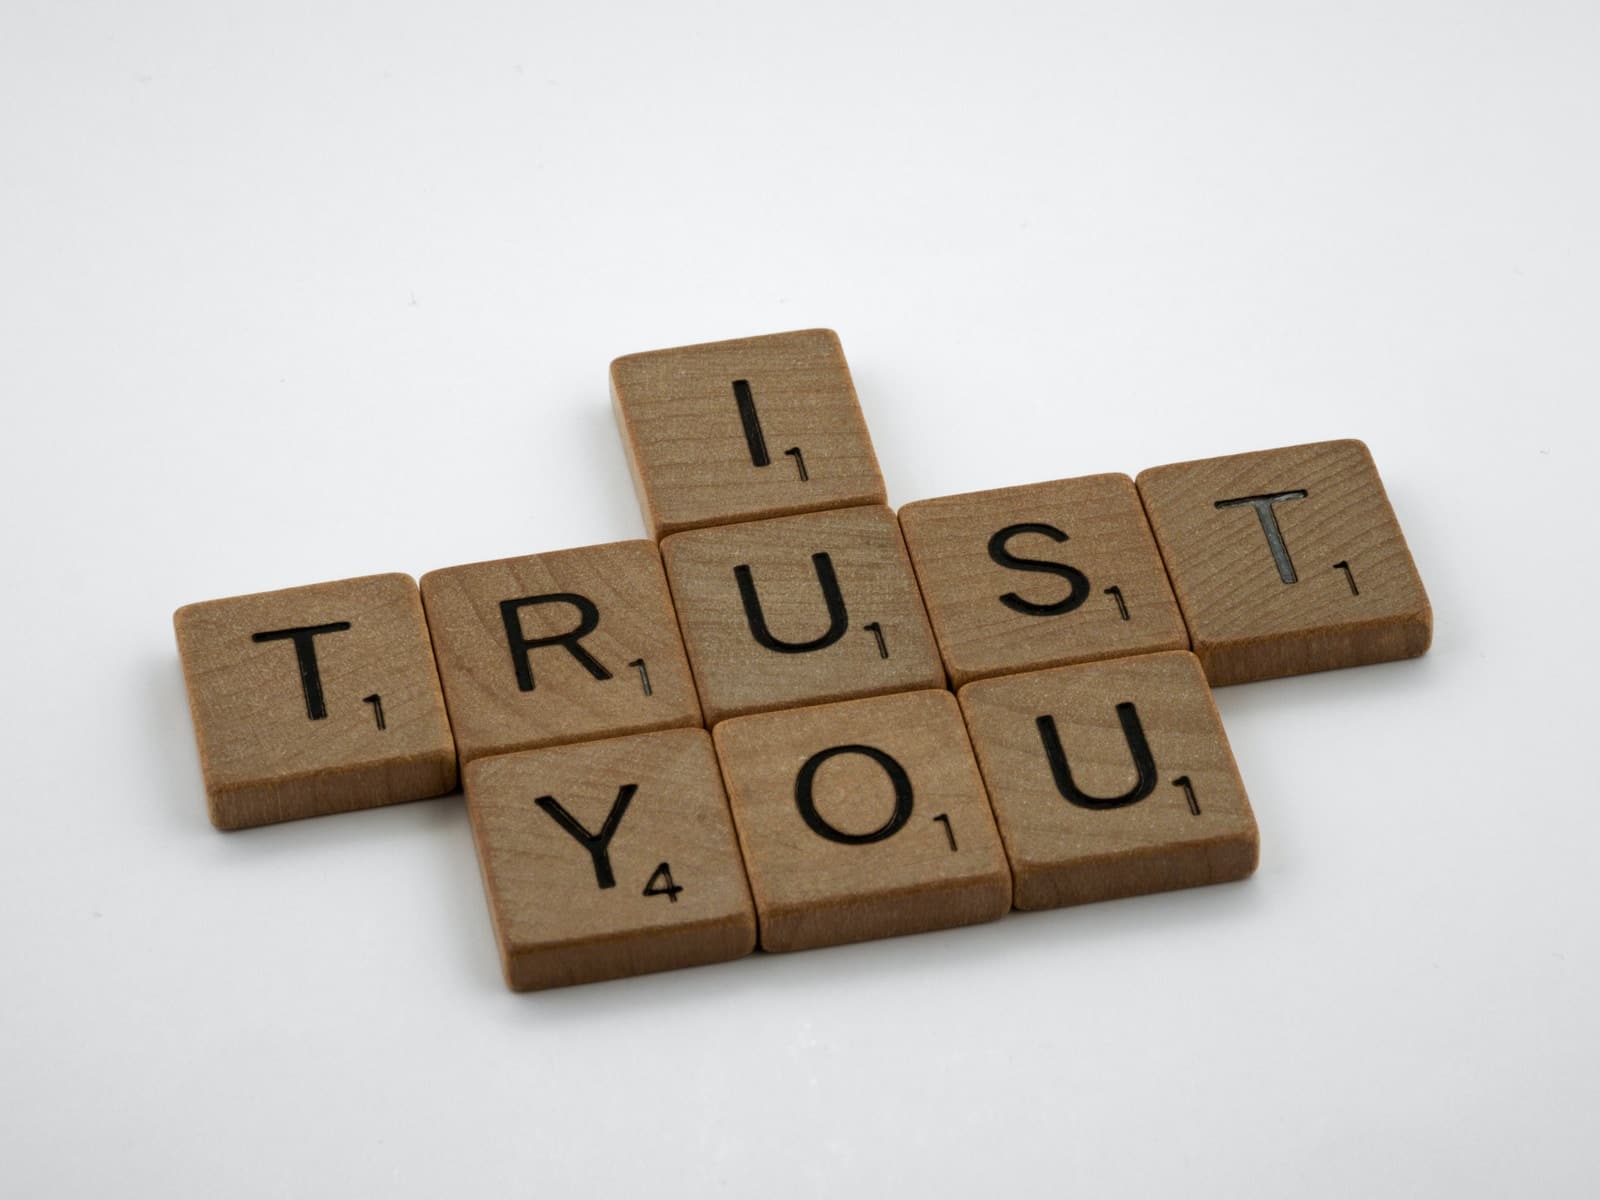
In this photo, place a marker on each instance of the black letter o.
(808, 808)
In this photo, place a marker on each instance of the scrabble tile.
(609, 858)
(861, 820)
(732, 431)
(800, 610)
(1041, 576)
(1287, 561)
(314, 700)
(558, 647)
(1111, 779)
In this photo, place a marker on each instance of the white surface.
(290, 294)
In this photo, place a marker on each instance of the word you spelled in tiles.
(796, 718)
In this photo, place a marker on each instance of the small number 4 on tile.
(609, 858)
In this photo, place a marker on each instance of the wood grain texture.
(922, 872)
(1194, 824)
(736, 430)
(1091, 584)
(1339, 589)
(591, 687)
(345, 715)
(814, 612)
(667, 888)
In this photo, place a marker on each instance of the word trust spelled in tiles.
(1287, 561)
(558, 647)
(609, 858)
(864, 819)
(1040, 576)
(800, 610)
(1111, 779)
(315, 700)
(843, 794)
(756, 427)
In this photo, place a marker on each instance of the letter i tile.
(558, 647)
(754, 427)
(609, 858)
(1111, 779)
(314, 700)
(863, 819)
(1287, 561)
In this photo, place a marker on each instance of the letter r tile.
(1111, 779)
(314, 700)
(800, 610)
(1041, 575)
(609, 858)
(1287, 561)
(861, 820)
(558, 647)
(754, 427)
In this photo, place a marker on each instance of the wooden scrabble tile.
(799, 610)
(1287, 561)
(314, 700)
(1111, 779)
(755, 427)
(558, 647)
(609, 858)
(1040, 576)
(861, 820)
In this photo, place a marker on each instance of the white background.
(297, 291)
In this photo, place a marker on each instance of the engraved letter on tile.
(838, 618)
(597, 844)
(1077, 581)
(305, 653)
(1269, 526)
(804, 799)
(1143, 761)
(521, 644)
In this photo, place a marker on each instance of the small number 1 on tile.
(1349, 577)
(377, 708)
(644, 675)
(949, 833)
(876, 631)
(1182, 781)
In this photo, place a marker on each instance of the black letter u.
(1143, 762)
(838, 619)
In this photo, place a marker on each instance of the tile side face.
(1287, 561)
(567, 646)
(800, 610)
(1041, 575)
(744, 429)
(607, 859)
(1111, 779)
(861, 820)
(315, 700)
